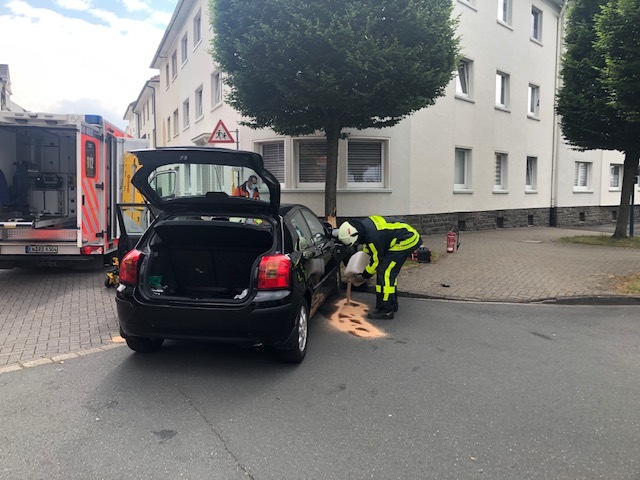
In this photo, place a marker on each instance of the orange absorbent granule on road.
(350, 317)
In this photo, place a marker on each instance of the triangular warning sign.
(221, 134)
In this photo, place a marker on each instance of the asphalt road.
(456, 390)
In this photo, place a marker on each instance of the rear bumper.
(55, 261)
(269, 322)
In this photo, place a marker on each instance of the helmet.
(347, 234)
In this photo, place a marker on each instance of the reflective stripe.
(387, 288)
(373, 264)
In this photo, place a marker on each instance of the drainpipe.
(153, 102)
(553, 213)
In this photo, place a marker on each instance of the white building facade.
(488, 154)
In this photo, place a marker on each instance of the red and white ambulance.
(60, 179)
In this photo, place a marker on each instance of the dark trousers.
(387, 279)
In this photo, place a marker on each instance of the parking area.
(49, 313)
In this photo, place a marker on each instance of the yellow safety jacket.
(382, 236)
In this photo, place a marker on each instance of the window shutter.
(364, 163)
(273, 156)
(312, 162)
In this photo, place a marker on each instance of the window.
(462, 169)
(312, 161)
(185, 114)
(216, 89)
(174, 64)
(317, 229)
(166, 74)
(273, 156)
(504, 11)
(184, 48)
(500, 179)
(534, 101)
(531, 181)
(89, 159)
(197, 29)
(302, 231)
(464, 78)
(148, 109)
(168, 129)
(615, 174)
(502, 89)
(199, 109)
(364, 163)
(582, 176)
(536, 24)
(175, 122)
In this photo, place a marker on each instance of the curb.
(598, 300)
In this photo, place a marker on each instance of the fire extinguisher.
(452, 240)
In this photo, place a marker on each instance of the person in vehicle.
(248, 189)
(389, 243)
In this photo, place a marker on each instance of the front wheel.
(296, 348)
(143, 344)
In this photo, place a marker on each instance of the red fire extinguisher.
(452, 240)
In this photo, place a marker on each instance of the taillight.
(91, 250)
(274, 272)
(128, 273)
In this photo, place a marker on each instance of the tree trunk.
(332, 131)
(630, 172)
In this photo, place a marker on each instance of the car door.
(324, 249)
(133, 221)
(306, 256)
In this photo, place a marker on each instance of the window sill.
(199, 118)
(184, 63)
(197, 44)
(533, 117)
(465, 98)
(217, 105)
(615, 189)
(468, 4)
(582, 191)
(462, 190)
(504, 24)
(532, 191)
(536, 41)
(502, 109)
(500, 192)
(184, 129)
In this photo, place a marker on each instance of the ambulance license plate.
(41, 249)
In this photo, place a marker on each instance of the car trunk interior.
(205, 259)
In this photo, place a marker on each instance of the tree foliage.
(300, 66)
(590, 101)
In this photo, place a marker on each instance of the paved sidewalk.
(53, 315)
(523, 265)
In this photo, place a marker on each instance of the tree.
(300, 67)
(591, 101)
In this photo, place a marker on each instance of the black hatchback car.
(214, 266)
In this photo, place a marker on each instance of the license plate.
(41, 249)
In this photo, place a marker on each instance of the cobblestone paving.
(44, 313)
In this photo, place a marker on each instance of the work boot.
(380, 314)
(394, 301)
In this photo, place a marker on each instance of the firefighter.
(389, 243)
(248, 189)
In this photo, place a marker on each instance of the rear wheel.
(296, 348)
(143, 344)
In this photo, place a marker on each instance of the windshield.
(190, 180)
